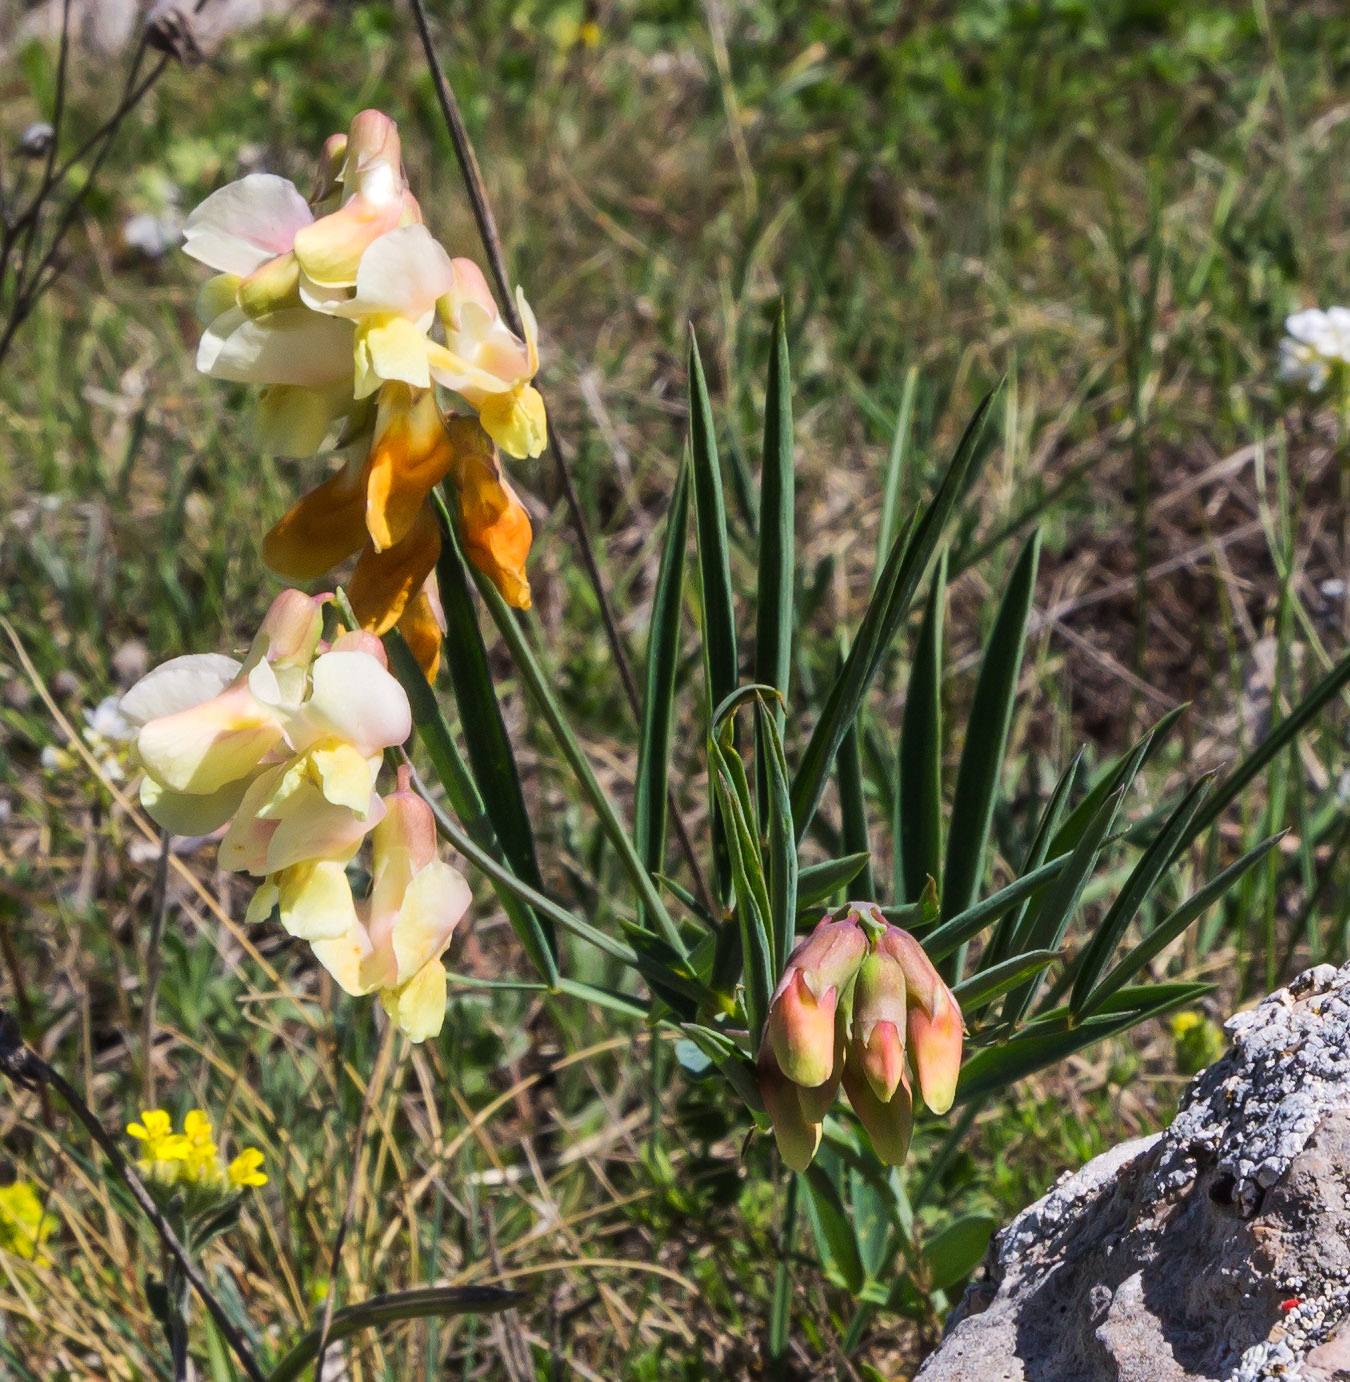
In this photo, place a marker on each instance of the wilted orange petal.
(322, 529)
(423, 626)
(496, 528)
(384, 582)
(411, 453)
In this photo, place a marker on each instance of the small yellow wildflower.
(23, 1225)
(160, 1143)
(200, 1162)
(244, 1168)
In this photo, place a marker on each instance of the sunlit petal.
(246, 223)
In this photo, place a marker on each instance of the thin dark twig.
(330, 1298)
(28, 1070)
(154, 964)
(492, 246)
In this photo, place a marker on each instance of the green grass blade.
(536, 935)
(832, 1228)
(1172, 926)
(854, 836)
(1000, 943)
(816, 883)
(1256, 762)
(993, 1069)
(777, 549)
(911, 554)
(989, 983)
(718, 624)
(491, 756)
(753, 909)
(965, 926)
(981, 766)
(918, 786)
(540, 692)
(378, 1311)
(1150, 867)
(1045, 927)
(893, 487)
(777, 807)
(658, 700)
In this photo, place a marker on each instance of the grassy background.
(1116, 204)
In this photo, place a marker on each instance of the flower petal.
(435, 900)
(179, 684)
(345, 776)
(323, 528)
(422, 624)
(330, 251)
(496, 528)
(410, 455)
(346, 958)
(402, 273)
(516, 421)
(384, 582)
(314, 900)
(246, 223)
(292, 346)
(390, 347)
(356, 700)
(201, 749)
(293, 421)
(418, 1008)
(190, 813)
(316, 829)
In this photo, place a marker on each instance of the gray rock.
(1217, 1251)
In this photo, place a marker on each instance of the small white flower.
(1317, 344)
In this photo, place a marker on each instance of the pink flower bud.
(933, 1026)
(292, 627)
(797, 1136)
(817, 1100)
(889, 1122)
(801, 1023)
(879, 1022)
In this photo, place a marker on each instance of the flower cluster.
(859, 1004)
(284, 751)
(347, 309)
(1316, 348)
(24, 1223)
(190, 1158)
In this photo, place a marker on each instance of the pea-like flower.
(25, 1224)
(392, 942)
(1316, 348)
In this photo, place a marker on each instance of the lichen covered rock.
(1217, 1251)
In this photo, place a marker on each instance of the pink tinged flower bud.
(800, 1030)
(879, 1023)
(359, 641)
(935, 1043)
(889, 1122)
(292, 627)
(817, 1100)
(933, 1026)
(797, 1135)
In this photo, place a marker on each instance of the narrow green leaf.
(854, 836)
(540, 691)
(918, 787)
(1256, 762)
(1045, 927)
(490, 753)
(833, 1229)
(753, 910)
(993, 1069)
(777, 806)
(378, 1311)
(1000, 943)
(893, 487)
(913, 550)
(1066, 837)
(817, 882)
(952, 1254)
(1148, 869)
(777, 551)
(721, 665)
(1172, 926)
(658, 699)
(981, 766)
(738, 1068)
(536, 936)
(988, 984)
(965, 926)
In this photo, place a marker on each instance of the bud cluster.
(861, 1005)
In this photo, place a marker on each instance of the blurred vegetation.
(1115, 204)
